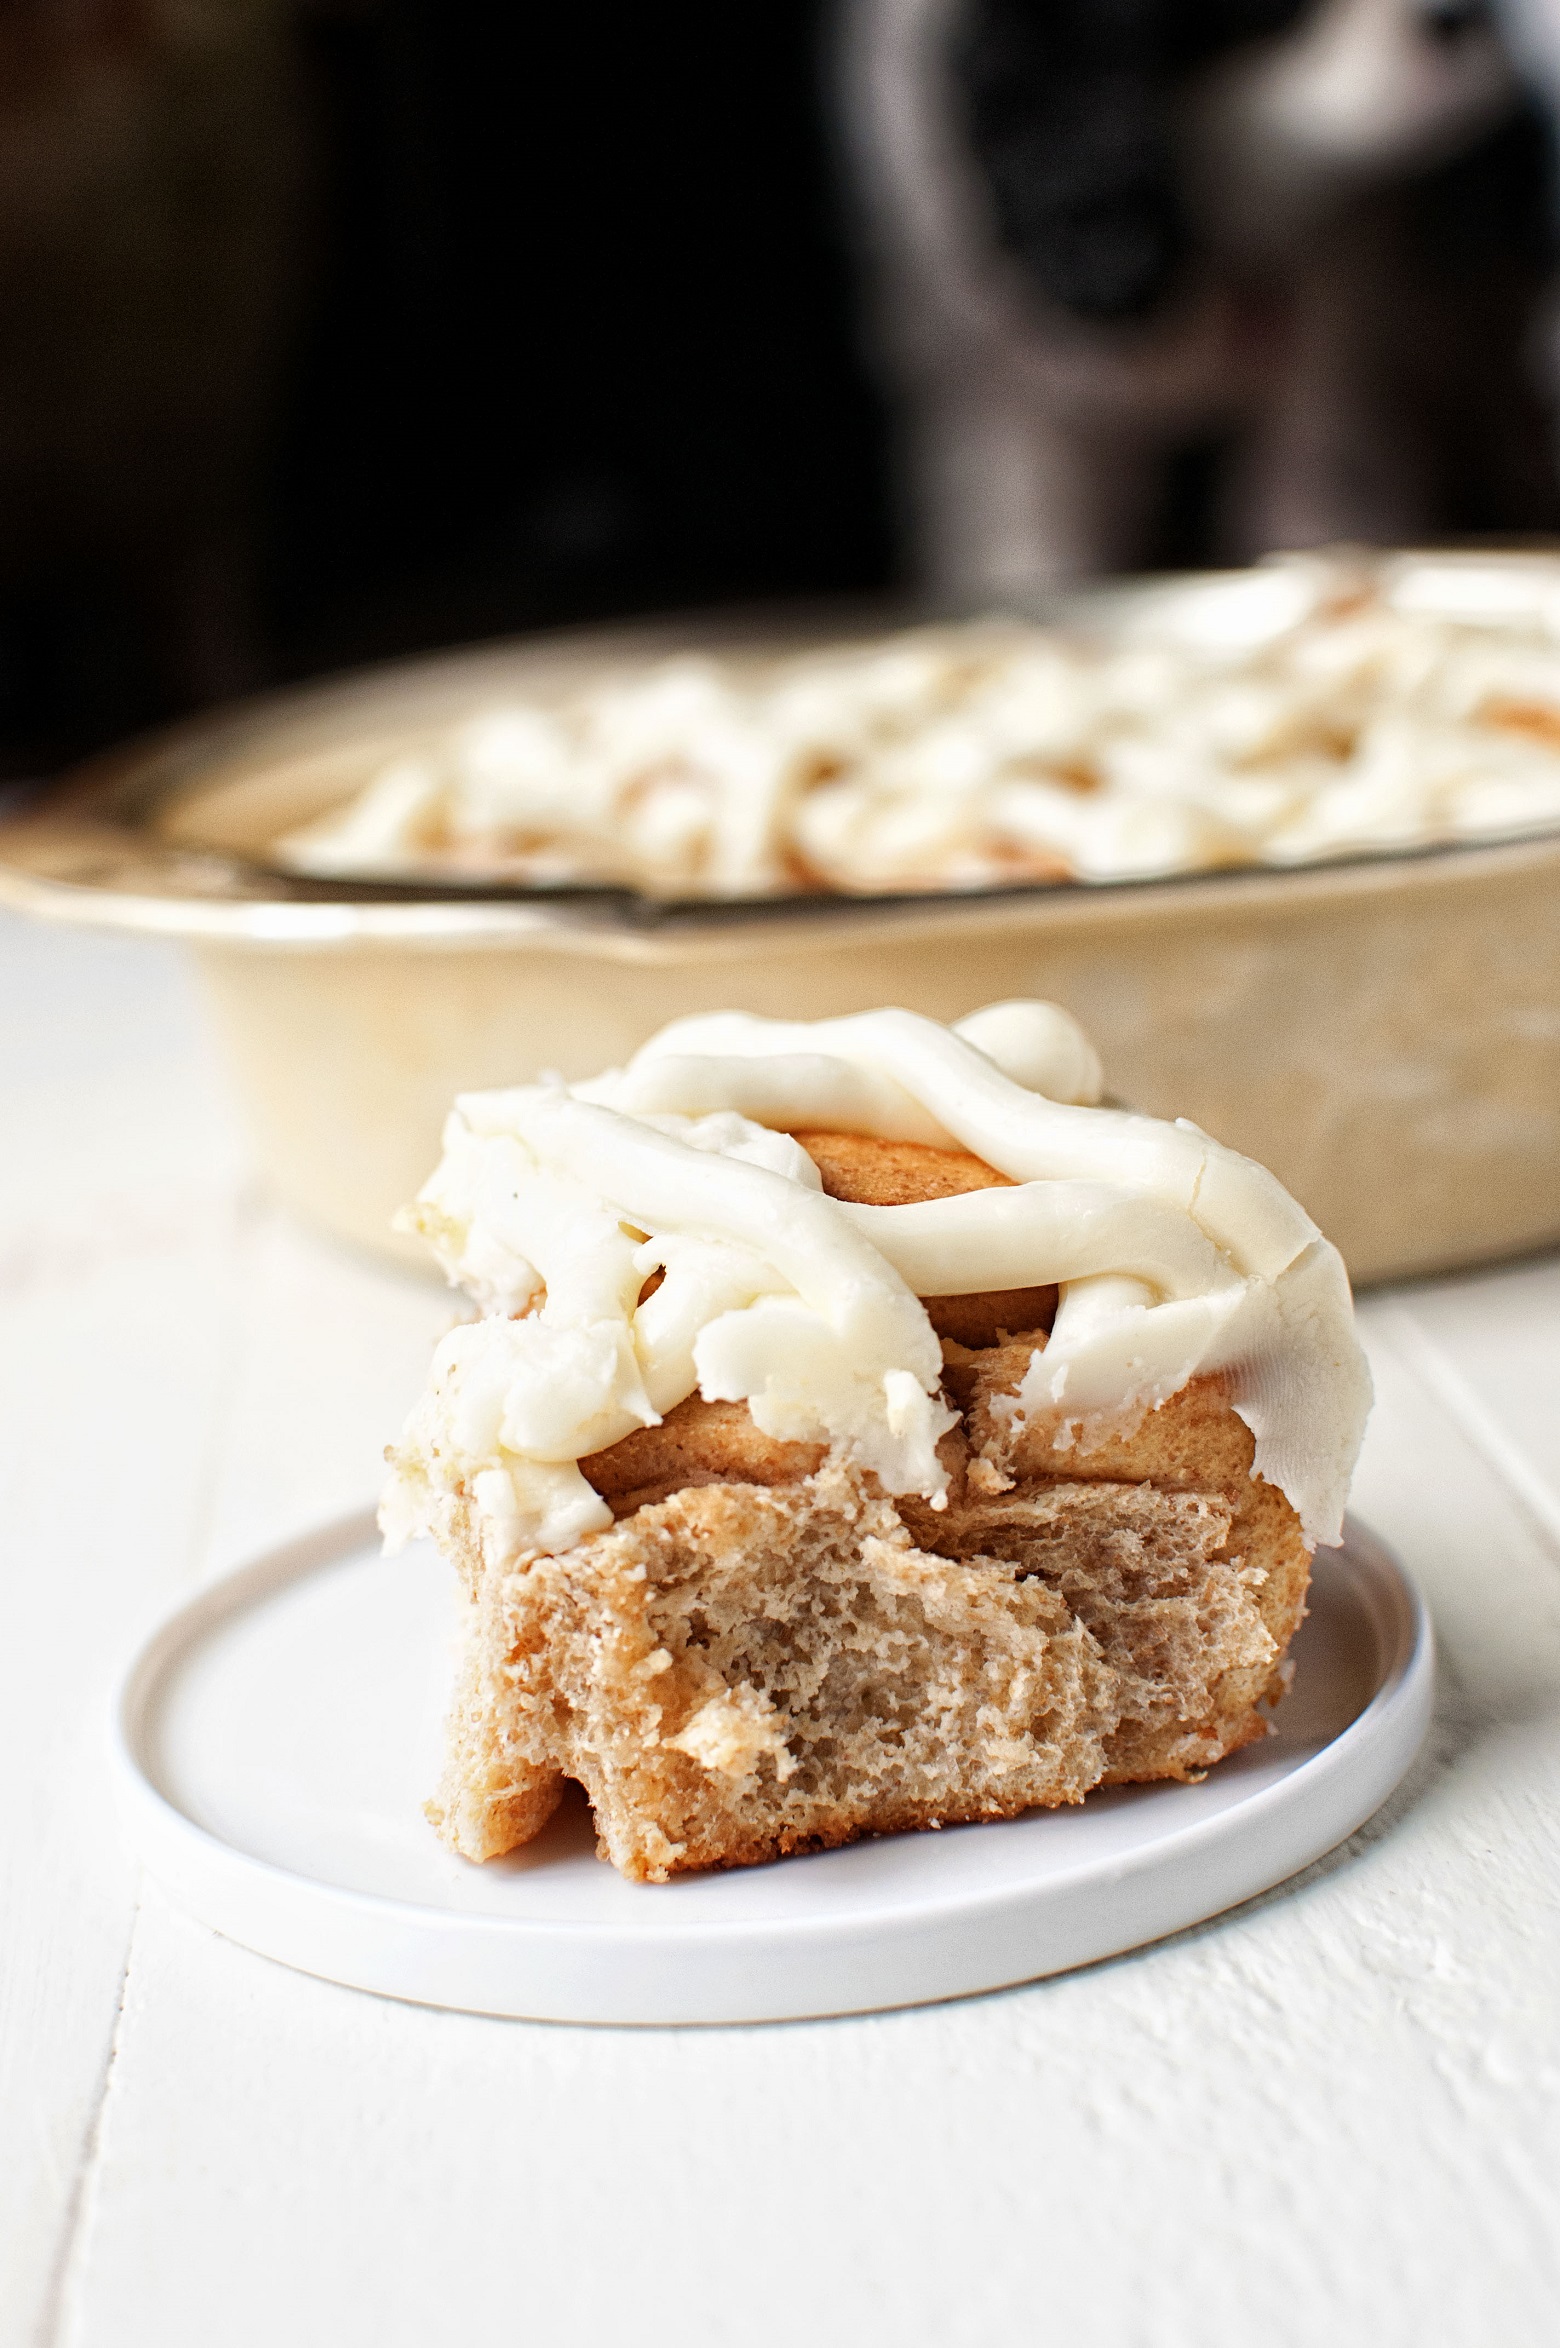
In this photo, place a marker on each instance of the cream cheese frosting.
(554, 1205)
(1317, 706)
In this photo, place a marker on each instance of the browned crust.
(1194, 1438)
(874, 1173)
(697, 1443)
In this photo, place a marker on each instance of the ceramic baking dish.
(1384, 1033)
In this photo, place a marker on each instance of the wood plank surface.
(1333, 2116)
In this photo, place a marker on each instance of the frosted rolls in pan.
(1315, 707)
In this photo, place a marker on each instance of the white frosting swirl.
(554, 1204)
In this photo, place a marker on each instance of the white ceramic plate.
(274, 1740)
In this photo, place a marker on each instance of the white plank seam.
(50, 2332)
(246, 1211)
(1437, 1371)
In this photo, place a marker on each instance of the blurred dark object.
(585, 343)
(333, 329)
(1069, 110)
(340, 329)
(151, 190)
(1183, 280)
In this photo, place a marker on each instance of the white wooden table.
(1332, 2117)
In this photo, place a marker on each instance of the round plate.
(274, 1740)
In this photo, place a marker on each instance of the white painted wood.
(1487, 1344)
(330, 1353)
(146, 1301)
(1333, 2114)
(1332, 2117)
(117, 1203)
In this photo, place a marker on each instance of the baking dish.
(1384, 1033)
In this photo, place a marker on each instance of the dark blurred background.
(331, 333)
(331, 330)
(581, 341)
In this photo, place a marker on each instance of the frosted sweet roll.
(861, 1428)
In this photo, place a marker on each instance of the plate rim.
(222, 1884)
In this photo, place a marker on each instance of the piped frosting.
(554, 1206)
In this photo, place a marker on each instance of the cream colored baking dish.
(1385, 1034)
